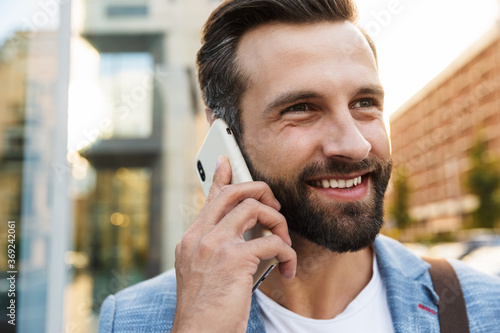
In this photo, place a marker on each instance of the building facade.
(432, 135)
(138, 105)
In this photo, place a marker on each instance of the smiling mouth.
(336, 183)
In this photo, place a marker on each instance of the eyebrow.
(371, 90)
(291, 97)
(288, 97)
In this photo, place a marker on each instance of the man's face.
(313, 129)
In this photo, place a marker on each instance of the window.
(127, 94)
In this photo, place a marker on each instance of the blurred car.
(452, 250)
(469, 240)
(485, 259)
(483, 240)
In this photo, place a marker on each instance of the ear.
(210, 115)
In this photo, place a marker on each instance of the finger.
(222, 177)
(250, 212)
(274, 247)
(230, 196)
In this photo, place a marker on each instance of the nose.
(343, 140)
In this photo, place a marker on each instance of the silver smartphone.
(220, 141)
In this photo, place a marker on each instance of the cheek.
(287, 152)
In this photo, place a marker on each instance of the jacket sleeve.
(107, 315)
(482, 297)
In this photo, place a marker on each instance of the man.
(298, 83)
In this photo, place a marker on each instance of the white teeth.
(336, 183)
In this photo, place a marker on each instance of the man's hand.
(214, 264)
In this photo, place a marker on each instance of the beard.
(337, 226)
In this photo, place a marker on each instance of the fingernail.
(219, 161)
(278, 203)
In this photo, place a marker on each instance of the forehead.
(343, 35)
(278, 54)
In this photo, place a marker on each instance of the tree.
(399, 208)
(483, 180)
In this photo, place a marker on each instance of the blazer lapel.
(410, 294)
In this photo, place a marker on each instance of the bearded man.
(297, 81)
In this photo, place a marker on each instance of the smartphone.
(220, 141)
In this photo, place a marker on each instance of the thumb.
(222, 176)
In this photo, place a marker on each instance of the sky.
(418, 39)
(28, 15)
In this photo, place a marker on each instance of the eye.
(300, 107)
(364, 103)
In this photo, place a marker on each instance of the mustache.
(369, 164)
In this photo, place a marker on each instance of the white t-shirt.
(368, 312)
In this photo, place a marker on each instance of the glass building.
(100, 118)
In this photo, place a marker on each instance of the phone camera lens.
(201, 171)
(228, 130)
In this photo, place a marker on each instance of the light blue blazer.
(150, 306)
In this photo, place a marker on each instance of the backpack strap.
(452, 313)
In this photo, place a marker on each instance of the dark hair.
(221, 81)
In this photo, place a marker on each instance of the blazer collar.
(394, 256)
(410, 293)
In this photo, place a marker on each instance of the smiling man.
(297, 81)
(327, 153)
